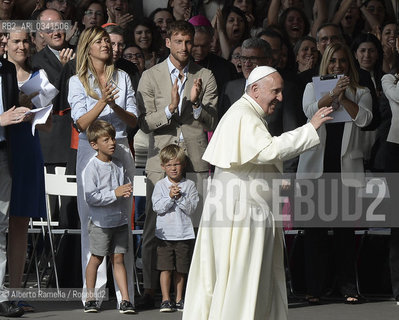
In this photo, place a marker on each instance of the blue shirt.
(100, 179)
(81, 102)
(174, 74)
(173, 216)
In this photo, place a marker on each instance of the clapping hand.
(339, 90)
(187, 13)
(71, 32)
(310, 63)
(123, 19)
(109, 94)
(175, 98)
(175, 192)
(124, 190)
(66, 55)
(217, 21)
(341, 86)
(250, 18)
(196, 90)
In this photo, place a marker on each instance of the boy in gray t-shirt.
(105, 191)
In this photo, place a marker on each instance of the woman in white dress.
(99, 91)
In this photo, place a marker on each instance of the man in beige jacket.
(178, 104)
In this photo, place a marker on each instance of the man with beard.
(178, 102)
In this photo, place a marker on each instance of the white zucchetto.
(259, 73)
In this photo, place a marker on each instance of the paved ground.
(376, 310)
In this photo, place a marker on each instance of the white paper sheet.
(39, 83)
(323, 87)
(40, 116)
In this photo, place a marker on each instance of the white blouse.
(390, 87)
(81, 102)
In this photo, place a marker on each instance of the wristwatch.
(196, 103)
(332, 93)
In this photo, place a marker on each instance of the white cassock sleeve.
(288, 145)
(242, 137)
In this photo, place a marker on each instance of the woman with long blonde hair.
(339, 157)
(99, 91)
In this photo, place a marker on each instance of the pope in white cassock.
(237, 270)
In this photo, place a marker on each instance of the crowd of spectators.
(228, 39)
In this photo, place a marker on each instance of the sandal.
(351, 299)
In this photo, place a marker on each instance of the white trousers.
(123, 154)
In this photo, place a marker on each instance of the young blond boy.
(174, 200)
(105, 190)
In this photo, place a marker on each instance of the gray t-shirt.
(100, 179)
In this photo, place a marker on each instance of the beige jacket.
(154, 94)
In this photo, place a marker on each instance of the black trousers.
(392, 165)
(320, 252)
